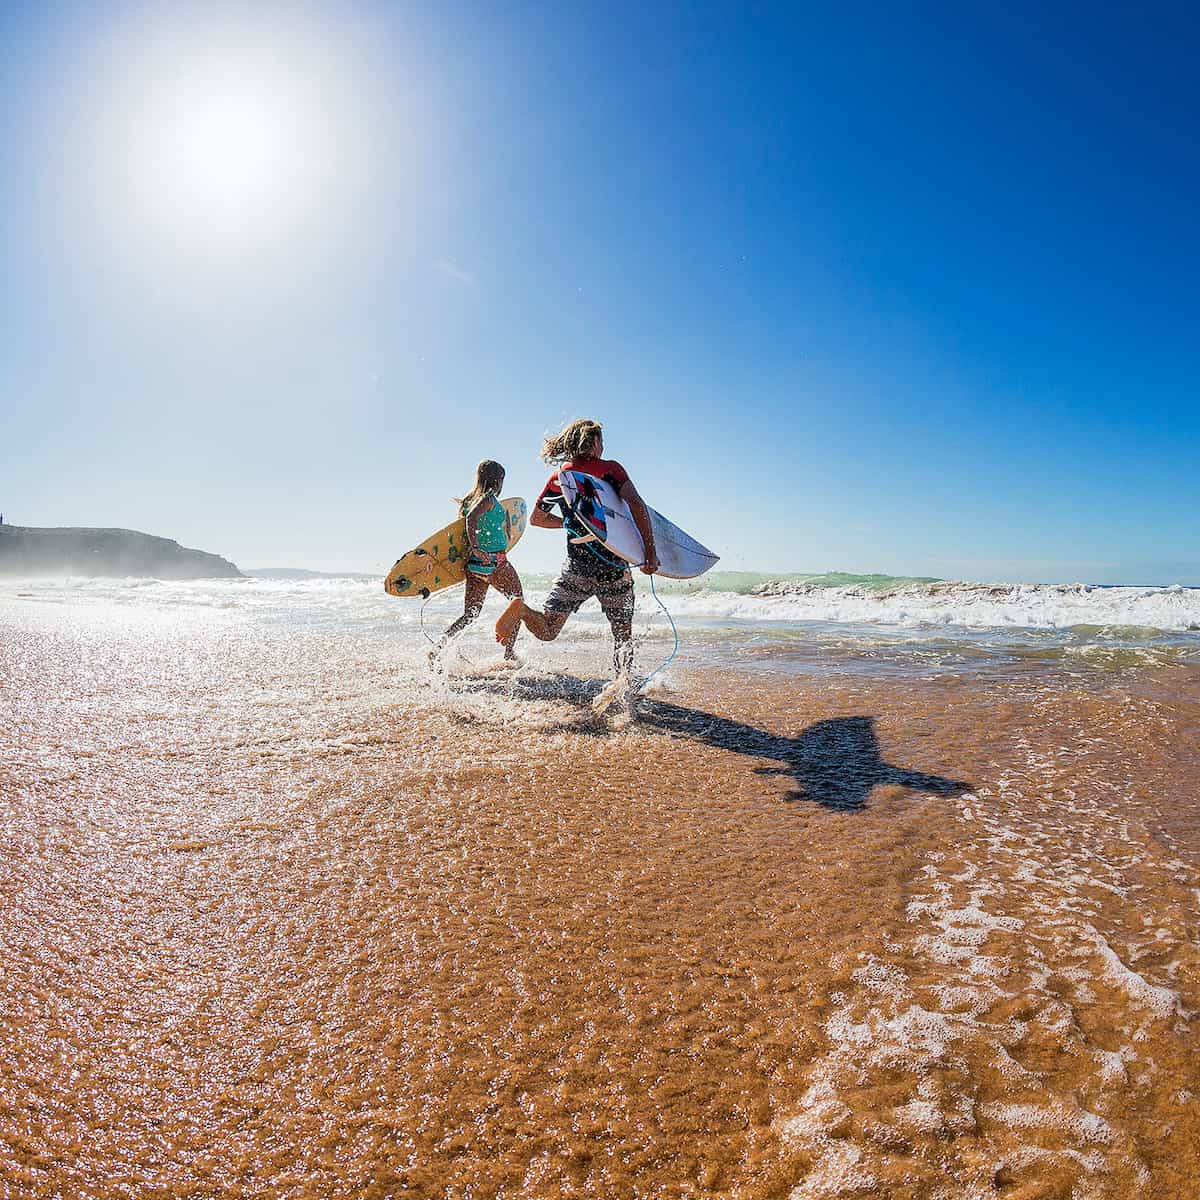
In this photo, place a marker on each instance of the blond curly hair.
(571, 441)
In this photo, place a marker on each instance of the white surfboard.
(608, 521)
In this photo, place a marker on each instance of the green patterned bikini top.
(490, 527)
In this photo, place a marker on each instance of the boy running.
(590, 570)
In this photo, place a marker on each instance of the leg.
(545, 626)
(508, 583)
(477, 586)
(566, 596)
(622, 646)
(617, 602)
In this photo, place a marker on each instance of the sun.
(205, 138)
(224, 153)
(227, 150)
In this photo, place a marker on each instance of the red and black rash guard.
(591, 558)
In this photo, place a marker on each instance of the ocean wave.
(1085, 613)
(1116, 613)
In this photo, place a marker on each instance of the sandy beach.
(599, 602)
(284, 916)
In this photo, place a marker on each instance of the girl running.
(486, 562)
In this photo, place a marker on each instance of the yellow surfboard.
(440, 561)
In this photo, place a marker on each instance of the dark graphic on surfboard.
(607, 519)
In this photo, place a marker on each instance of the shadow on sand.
(834, 763)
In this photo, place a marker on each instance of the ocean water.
(788, 623)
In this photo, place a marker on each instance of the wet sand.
(279, 922)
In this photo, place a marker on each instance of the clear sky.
(899, 288)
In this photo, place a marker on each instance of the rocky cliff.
(115, 552)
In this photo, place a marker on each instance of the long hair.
(571, 441)
(489, 477)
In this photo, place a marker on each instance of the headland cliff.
(27, 551)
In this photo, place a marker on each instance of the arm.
(542, 514)
(543, 519)
(473, 527)
(641, 518)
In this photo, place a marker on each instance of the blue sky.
(893, 288)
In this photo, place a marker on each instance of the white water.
(992, 606)
(1120, 613)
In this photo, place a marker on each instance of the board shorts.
(573, 588)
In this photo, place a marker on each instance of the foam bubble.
(1087, 1126)
(1161, 1001)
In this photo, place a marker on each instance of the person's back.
(590, 571)
(587, 558)
(490, 523)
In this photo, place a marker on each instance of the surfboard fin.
(583, 539)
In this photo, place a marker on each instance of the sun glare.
(201, 142)
(226, 152)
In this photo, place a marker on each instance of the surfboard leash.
(424, 605)
(569, 512)
(674, 650)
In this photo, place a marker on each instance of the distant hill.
(105, 552)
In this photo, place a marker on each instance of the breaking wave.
(1091, 613)
(1107, 611)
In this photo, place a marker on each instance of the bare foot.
(510, 619)
(616, 691)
